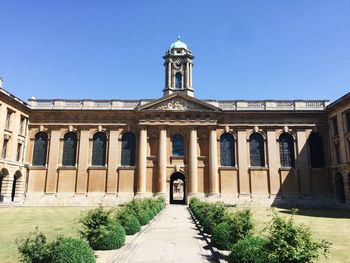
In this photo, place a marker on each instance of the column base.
(143, 195)
(214, 195)
(195, 195)
(161, 194)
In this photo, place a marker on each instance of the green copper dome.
(178, 44)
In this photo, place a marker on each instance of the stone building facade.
(14, 115)
(84, 152)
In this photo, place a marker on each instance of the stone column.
(242, 150)
(213, 163)
(53, 156)
(162, 161)
(193, 162)
(273, 162)
(142, 162)
(112, 161)
(302, 162)
(83, 163)
(169, 75)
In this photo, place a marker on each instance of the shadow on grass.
(326, 213)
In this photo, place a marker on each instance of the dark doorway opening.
(339, 188)
(177, 189)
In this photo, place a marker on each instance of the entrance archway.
(177, 188)
(17, 175)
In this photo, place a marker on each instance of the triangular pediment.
(178, 102)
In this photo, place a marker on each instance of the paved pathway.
(172, 237)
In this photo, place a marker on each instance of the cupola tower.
(178, 69)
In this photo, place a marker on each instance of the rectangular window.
(4, 148)
(337, 153)
(335, 126)
(22, 128)
(347, 120)
(19, 150)
(8, 119)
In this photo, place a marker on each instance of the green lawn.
(330, 224)
(17, 222)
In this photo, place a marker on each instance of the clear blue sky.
(279, 49)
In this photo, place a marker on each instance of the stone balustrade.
(225, 105)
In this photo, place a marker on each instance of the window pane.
(40, 148)
(128, 149)
(316, 150)
(69, 149)
(227, 154)
(178, 80)
(257, 157)
(99, 149)
(286, 150)
(335, 126)
(4, 148)
(178, 145)
(347, 119)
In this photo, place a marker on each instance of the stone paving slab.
(171, 238)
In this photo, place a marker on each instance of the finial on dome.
(178, 38)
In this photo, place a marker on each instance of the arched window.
(178, 145)
(69, 149)
(227, 150)
(287, 150)
(99, 149)
(339, 188)
(257, 152)
(178, 80)
(316, 150)
(40, 149)
(128, 149)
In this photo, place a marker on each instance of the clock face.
(178, 64)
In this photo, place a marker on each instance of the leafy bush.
(33, 249)
(70, 250)
(249, 250)
(108, 237)
(101, 231)
(129, 221)
(143, 217)
(214, 216)
(241, 223)
(208, 214)
(288, 242)
(221, 237)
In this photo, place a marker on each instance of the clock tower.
(178, 69)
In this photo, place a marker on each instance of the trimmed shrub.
(288, 242)
(143, 217)
(108, 237)
(214, 216)
(130, 223)
(70, 250)
(241, 223)
(101, 231)
(33, 249)
(221, 237)
(249, 250)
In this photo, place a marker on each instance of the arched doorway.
(3, 173)
(17, 175)
(177, 189)
(339, 188)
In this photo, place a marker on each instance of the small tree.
(288, 242)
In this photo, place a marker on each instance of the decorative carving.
(178, 104)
